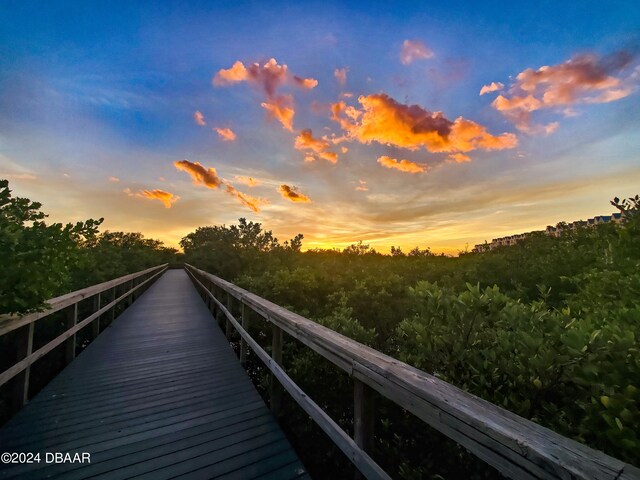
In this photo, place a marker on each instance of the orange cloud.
(307, 83)
(237, 73)
(252, 203)
(166, 198)
(199, 118)
(402, 165)
(268, 76)
(226, 134)
(383, 120)
(200, 174)
(113, 179)
(362, 186)
(492, 87)
(281, 109)
(248, 181)
(209, 178)
(413, 50)
(582, 79)
(305, 141)
(459, 157)
(341, 75)
(293, 194)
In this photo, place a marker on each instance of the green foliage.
(35, 258)
(548, 329)
(39, 261)
(230, 251)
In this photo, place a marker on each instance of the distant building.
(549, 231)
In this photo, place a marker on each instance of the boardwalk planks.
(158, 394)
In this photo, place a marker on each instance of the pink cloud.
(341, 75)
(492, 87)
(583, 79)
(199, 118)
(413, 50)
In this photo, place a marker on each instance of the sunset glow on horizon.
(390, 124)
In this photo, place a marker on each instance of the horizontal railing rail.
(25, 324)
(515, 446)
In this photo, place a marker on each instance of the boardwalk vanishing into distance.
(159, 393)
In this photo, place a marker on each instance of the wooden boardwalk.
(159, 394)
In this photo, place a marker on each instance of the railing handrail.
(26, 355)
(515, 446)
(12, 322)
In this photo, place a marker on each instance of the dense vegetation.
(40, 261)
(548, 329)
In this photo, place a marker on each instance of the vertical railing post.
(208, 301)
(363, 418)
(276, 355)
(218, 312)
(244, 312)
(112, 310)
(70, 344)
(95, 325)
(227, 329)
(25, 348)
(130, 297)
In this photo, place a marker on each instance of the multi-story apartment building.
(550, 231)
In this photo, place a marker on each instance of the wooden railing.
(516, 447)
(25, 324)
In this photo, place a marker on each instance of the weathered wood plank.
(354, 453)
(9, 323)
(9, 373)
(20, 395)
(515, 446)
(157, 390)
(276, 354)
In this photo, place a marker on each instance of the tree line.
(548, 328)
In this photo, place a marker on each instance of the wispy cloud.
(293, 194)
(209, 178)
(281, 109)
(199, 118)
(583, 79)
(225, 134)
(362, 186)
(166, 198)
(307, 83)
(341, 75)
(113, 179)
(492, 87)
(413, 50)
(248, 181)
(459, 157)
(402, 165)
(306, 142)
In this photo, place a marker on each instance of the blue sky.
(97, 103)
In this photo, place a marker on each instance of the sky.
(431, 124)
